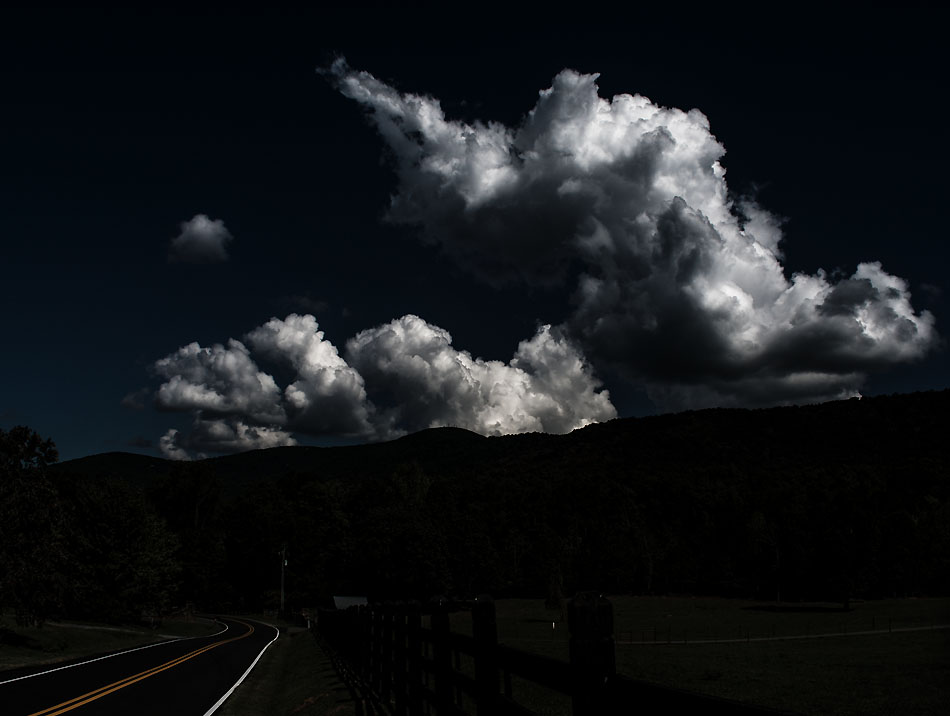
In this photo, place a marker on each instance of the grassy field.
(895, 672)
(889, 672)
(56, 642)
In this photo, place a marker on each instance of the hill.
(853, 431)
(849, 498)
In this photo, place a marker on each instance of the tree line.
(91, 549)
(828, 502)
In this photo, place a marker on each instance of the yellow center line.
(129, 680)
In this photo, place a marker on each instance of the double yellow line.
(129, 680)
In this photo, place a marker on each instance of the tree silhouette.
(34, 558)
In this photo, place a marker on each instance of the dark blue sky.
(117, 126)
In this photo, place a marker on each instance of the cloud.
(620, 204)
(221, 436)
(931, 290)
(238, 406)
(675, 287)
(202, 240)
(221, 380)
(328, 395)
(418, 380)
(136, 399)
(169, 445)
(399, 377)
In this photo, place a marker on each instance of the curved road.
(182, 676)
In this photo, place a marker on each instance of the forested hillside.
(825, 502)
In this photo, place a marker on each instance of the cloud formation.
(220, 380)
(419, 380)
(328, 395)
(202, 240)
(676, 287)
(397, 378)
(221, 435)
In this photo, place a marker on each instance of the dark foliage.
(822, 502)
(34, 532)
(86, 548)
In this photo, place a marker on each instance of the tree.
(34, 557)
(22, 449)
(188, 501)
(127, 554)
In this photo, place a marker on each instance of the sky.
(234, 229)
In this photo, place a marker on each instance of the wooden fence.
(415, 670)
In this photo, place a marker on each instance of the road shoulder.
(294, 676)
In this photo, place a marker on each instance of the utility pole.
(283, 563)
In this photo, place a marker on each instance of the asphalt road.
(184, 677)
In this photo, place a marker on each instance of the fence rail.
(414, 670)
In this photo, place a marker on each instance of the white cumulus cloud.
(396, 378)
(418, 380)
(328, 395)
(624, 203)
(202, 240)
(221, 379)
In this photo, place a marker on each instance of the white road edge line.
(244, 675)
(109, 656)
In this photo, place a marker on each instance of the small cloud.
(201, 241)
(932, 291)
(136, 399)
(170, 448)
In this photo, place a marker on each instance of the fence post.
(442, 657)
(349, 647)
(400, 659)
(385, 690)
(485, 633)
(414, 649)
(376, 668)
(366, 641)
(591, 622)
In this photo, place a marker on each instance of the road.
(184, 677)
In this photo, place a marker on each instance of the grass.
(876, 674)
(58, 642)
(678, 619)
(294, 676)
(905, 673)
